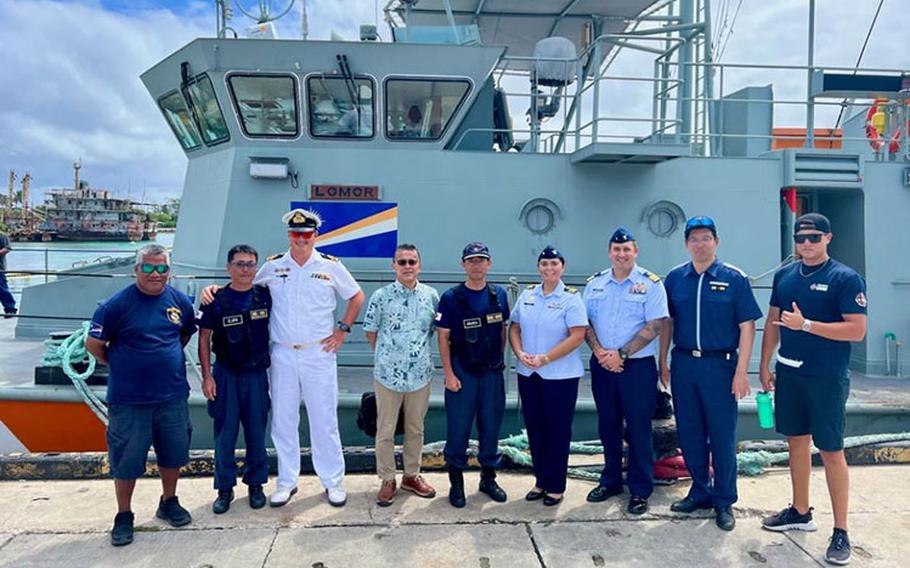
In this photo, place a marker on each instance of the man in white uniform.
(303, 283)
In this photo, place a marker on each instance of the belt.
(708, 354)
(298, 346)
(796, 364)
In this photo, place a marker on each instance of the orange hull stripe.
(54, 426)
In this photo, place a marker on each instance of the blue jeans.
(6, 298)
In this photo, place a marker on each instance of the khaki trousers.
(414, 406)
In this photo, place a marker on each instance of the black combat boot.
(456, 488)
(489, 486)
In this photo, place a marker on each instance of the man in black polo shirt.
(818, 306)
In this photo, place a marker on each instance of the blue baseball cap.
(622, 235)
(700, 222)
(475, 250)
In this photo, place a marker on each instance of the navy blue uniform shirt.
(449, 314)
(147, 364)
(707, 308)
(211, 313)
(824, 296)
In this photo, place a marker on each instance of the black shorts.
(806, 404)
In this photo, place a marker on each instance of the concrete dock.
(65, 523)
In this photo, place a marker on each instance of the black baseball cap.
(812, 222)
(475, 250)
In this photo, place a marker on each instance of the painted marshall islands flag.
(354, 229)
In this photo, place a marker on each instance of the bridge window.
(178, 118)
(421, 109)
(266, 104)
(206, 110)
(341, 108)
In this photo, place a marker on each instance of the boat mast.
(76, 167)
(11, 186)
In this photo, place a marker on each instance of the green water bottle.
(765, 409)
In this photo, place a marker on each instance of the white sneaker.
(337, 496)
(281, 496)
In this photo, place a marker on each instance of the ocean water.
(51, 257)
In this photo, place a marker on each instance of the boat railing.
(604, 106)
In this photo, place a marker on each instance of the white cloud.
(74, 90)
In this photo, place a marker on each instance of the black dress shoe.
(534, 495)
(223, 501)
(724, 519)
(602, 493)
(257, 497)
(690, 505)
(550, 501)
(637, 505)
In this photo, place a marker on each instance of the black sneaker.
(171, 511)
(789, 519)
(223, 502)
(122, 533)
(839, 548)
(257, 497)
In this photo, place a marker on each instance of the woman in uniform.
(548, 326)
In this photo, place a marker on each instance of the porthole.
(663, 218)
(539, 215)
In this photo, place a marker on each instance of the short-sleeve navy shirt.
(145, 355)
(824, 296)
(449, 314)
(707, 308)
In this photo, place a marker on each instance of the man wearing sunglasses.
(140, 333)
(399, 325)
(304, 284)
(236, 325)
(712, 325)
(818, 306)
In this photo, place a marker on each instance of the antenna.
(304, 23)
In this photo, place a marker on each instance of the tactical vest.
(241, 339)
(477, 347)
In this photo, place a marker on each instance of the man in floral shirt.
(399, 325)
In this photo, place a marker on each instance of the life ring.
(873, 133)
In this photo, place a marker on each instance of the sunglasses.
(407, 262)
(812, 238)
(149, 268)
(304, 234)
(244, 264)
(699, 222)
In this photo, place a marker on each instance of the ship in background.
(79, 213)
(411, 139)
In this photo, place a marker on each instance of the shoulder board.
(531, 286)
(329, 257)
(651, 276)
(571, 290)
(275, 256)
(593, 276)
(737, 269)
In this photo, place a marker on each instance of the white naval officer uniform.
(303, 314)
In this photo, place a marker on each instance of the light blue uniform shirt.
(545, 321)
(403, 322)
(619, 310)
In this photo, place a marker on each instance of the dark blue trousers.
(630, 396)
(6, 297)
(242, 397)
(706, 413)
(548, 407)
(482, 396)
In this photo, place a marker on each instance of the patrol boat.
(500, 121)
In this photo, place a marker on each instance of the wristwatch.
(622, 354)
(807, 325)
(344, 327)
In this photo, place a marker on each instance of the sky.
(74, 91)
